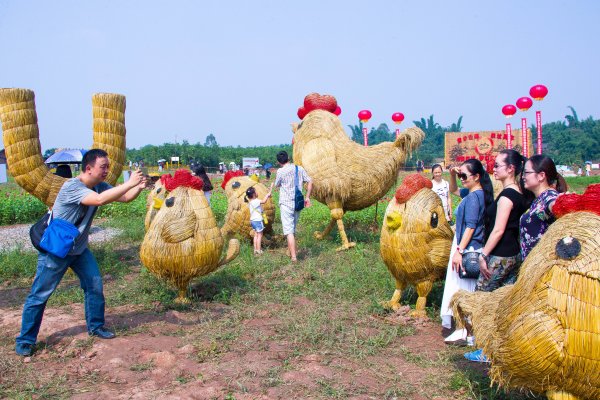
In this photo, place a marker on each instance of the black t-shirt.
(508, 245)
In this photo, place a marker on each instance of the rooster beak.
(157, 203)
(393, 220)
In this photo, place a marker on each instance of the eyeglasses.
(498, 166)
(462, 176)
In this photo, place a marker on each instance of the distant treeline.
(572, 141)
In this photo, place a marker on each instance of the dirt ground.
(161, 354)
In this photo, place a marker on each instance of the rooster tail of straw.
(24, 151)
(409, 140)
(232, 252)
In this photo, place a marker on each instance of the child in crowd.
(442, 188)
(256, 216)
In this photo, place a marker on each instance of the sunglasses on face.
(462, 176)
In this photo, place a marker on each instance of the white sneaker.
(459, 334)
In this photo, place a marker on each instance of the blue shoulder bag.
(59, 237)
(298, 196)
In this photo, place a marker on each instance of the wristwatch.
(460, 251)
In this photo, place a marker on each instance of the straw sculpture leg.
(423, 289)
(232, 252)
(394, 302)
(22, 143)
(337, 213)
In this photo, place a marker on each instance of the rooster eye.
(170, 201)
(568, 248)
(434, 220)
(158, 190)
(236, 185)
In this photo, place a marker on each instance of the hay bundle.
(237, 220)
(415, 240)
(183, 241)
(543, 332)
(23, 149)
(346, 175)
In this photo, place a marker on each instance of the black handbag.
(37, 231)
(470, 265)
(298, 196)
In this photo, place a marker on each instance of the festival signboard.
(483, 146)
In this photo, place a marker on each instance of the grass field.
(326, 305)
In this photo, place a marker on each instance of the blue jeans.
(50, 270)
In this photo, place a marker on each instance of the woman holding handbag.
(463, 266)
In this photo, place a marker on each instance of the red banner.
(508, 136)
(538, 122)
(484, 146)
(366, 136)
(524, 140)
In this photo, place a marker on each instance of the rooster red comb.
(588, 201)
(182, 177)
(411, 185)
(315, 101)
(229, 175)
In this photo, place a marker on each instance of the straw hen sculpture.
(237, 220)
(22, 143)
(346, 175)
(543, 332)
(415, 240)
(183, 241)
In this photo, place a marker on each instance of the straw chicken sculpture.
(22, 142)
(183, 241)
(237, 220)
(415, 240)
(543, 332)
(346, 175)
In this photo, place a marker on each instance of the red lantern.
(509, 110)
(524, 103)
(538, 92)
(398, 117)
(364, 115)
(338, 110)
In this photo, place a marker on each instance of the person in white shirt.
(442, 188)
(256, 216)
(286, 181)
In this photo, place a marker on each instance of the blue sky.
(240, 69)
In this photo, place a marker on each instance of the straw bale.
(348, 176)
(543, 332)
(415, 244)
(237, 219)
(23, 149)
(183, 240)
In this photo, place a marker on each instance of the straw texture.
(543, 332)
(23, 149)
(346, 175)
(154, 201)
(237, 220)
(183, 240)
(415, 241)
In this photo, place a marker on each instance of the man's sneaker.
(103, 333)
(477, 356)
(457, 335)
(24, 349)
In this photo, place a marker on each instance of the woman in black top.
(499, 259)
(207, 187)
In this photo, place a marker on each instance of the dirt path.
(162, 354)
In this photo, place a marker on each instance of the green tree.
(211, 141)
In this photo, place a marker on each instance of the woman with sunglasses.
(499, 258)
(540, 178)
(477, 194)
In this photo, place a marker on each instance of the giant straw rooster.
(346, 175)
(543, 332)
(415, 240)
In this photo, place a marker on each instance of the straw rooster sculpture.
(22, 140)
(183, 240)
(543, 332)
(237, 220)
(346, 175)
(415, 240)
